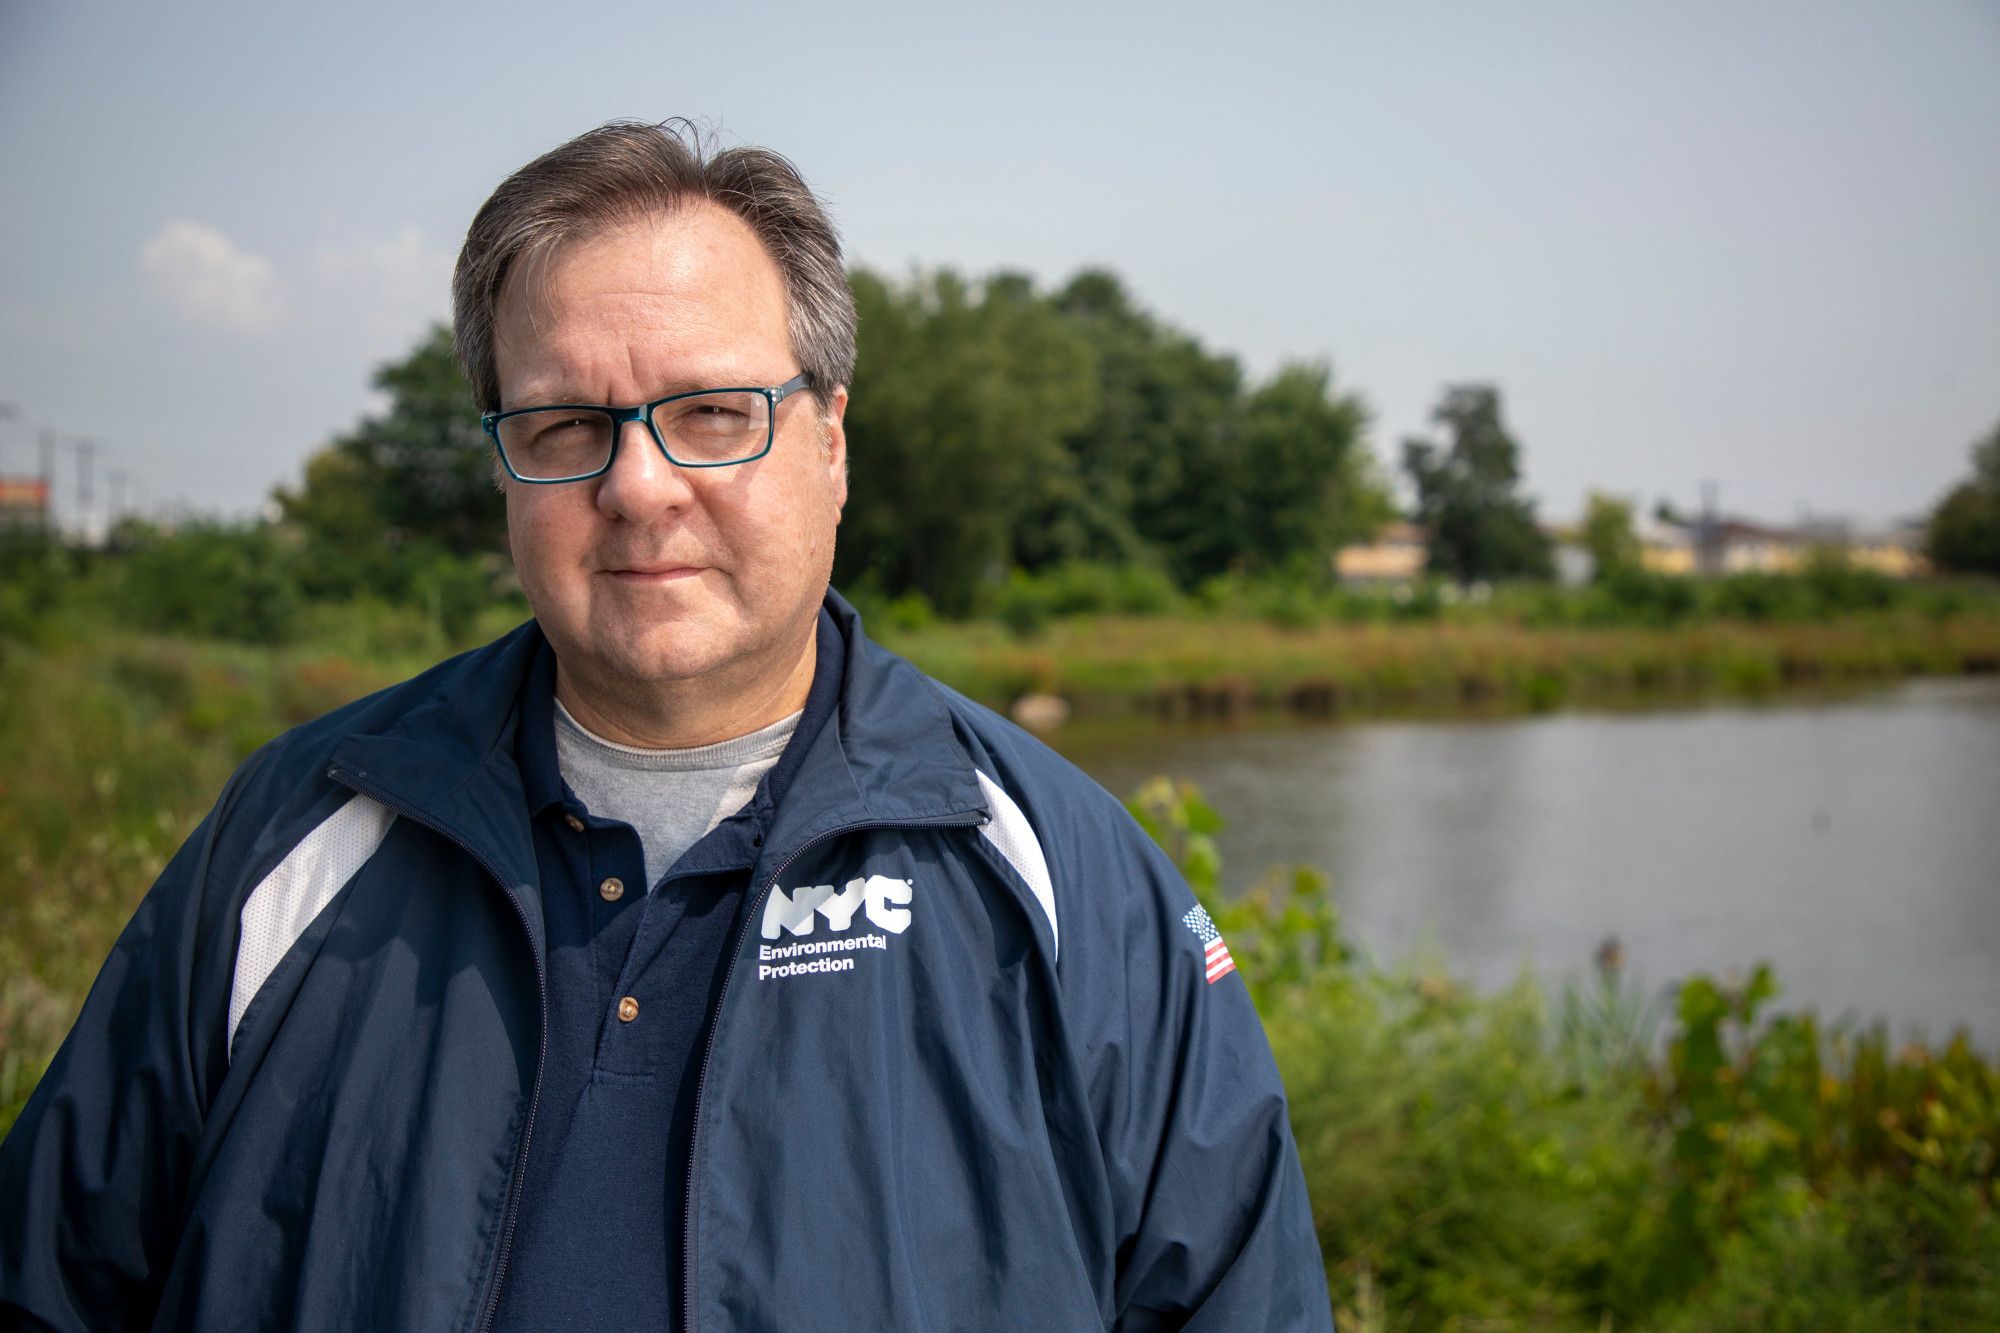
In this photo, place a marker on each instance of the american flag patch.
(1220, 964)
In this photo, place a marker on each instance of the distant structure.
(24, 502)
(1710, 545)
(1396, 556)
(1716, 545)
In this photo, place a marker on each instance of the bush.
(454, 590)
(210, 580)
(35, 575)
(1474, 1163)
(1293, 599)
(1838, 587)
(1024, 604)
(1631, 596)
(1026, 601)
(1759, 597)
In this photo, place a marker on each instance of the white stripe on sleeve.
(1010, 832)
(280, 908)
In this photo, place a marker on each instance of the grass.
(1604, 1158)
(1592, 1159)
(1186, 665)
(112, 747)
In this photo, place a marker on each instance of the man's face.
(654, 573)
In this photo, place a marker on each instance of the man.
(681, 960)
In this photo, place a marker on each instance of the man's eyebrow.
(538, 397)
(561, 394)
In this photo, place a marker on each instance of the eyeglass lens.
(707, 428)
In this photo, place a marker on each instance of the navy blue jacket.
(968, 1069)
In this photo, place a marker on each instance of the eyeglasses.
(577, 441)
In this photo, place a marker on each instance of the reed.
(1694, 1160)
(1199, 665)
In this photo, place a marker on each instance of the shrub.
(1758, 597)
(211, 580)
(1024, 604)
(35, 574)
(1632, 596)
(1473, 1163)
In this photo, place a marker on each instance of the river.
(1854, 843)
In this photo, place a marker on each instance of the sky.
(1754, 244)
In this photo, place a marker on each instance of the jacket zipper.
(491, 1306)
(966, 820)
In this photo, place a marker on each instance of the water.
(1854, 843)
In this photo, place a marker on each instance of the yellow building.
(24, 500)
(1396, 555)
(1733, 546)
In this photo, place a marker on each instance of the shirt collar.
(541, 775)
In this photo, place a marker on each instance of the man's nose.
(641, 484)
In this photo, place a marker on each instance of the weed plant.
(1608, 1160)
(1599, 1158)
(112, 747)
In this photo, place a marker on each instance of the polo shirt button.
(575, 824)
(628, 1009)
(611, 890)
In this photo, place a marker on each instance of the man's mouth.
(653, 573)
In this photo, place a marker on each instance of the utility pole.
(1710, 542)
(86, 451)
(48, 442)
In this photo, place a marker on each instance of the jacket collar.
(446, 759)
(889, 755)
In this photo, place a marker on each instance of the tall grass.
(1123, 638)
(1607, 1158)
(1595, 1158)
(112, 747)
(1192, 665)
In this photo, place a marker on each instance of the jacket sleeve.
(95, 1170)
(1215, 1230)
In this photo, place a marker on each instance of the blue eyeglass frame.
(643, 412)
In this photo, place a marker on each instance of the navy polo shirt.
(633, 978)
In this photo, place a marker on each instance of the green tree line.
(996, 426)
(1964, 531)
(1016, 451)
(992, 425)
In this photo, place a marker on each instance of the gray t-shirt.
(670, 797)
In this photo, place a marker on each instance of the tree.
(381, 503)
(213, 580)
(962, 398)
(1480, 527)
(1287, 484)
(1204, 473)
(992, 426)
(1964, 530)
(1609, 535)
(1162, 400)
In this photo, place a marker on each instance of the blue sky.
(1755, 243)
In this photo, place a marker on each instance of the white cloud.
(399, 285)
(209, 281)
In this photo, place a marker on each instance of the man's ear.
(833, 443)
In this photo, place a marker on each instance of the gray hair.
(628, 170)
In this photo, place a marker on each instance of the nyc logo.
(880, 898)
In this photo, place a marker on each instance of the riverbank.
(1217, 666)
(1706, 836)
(1569, 1160)
(1602, 1156)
